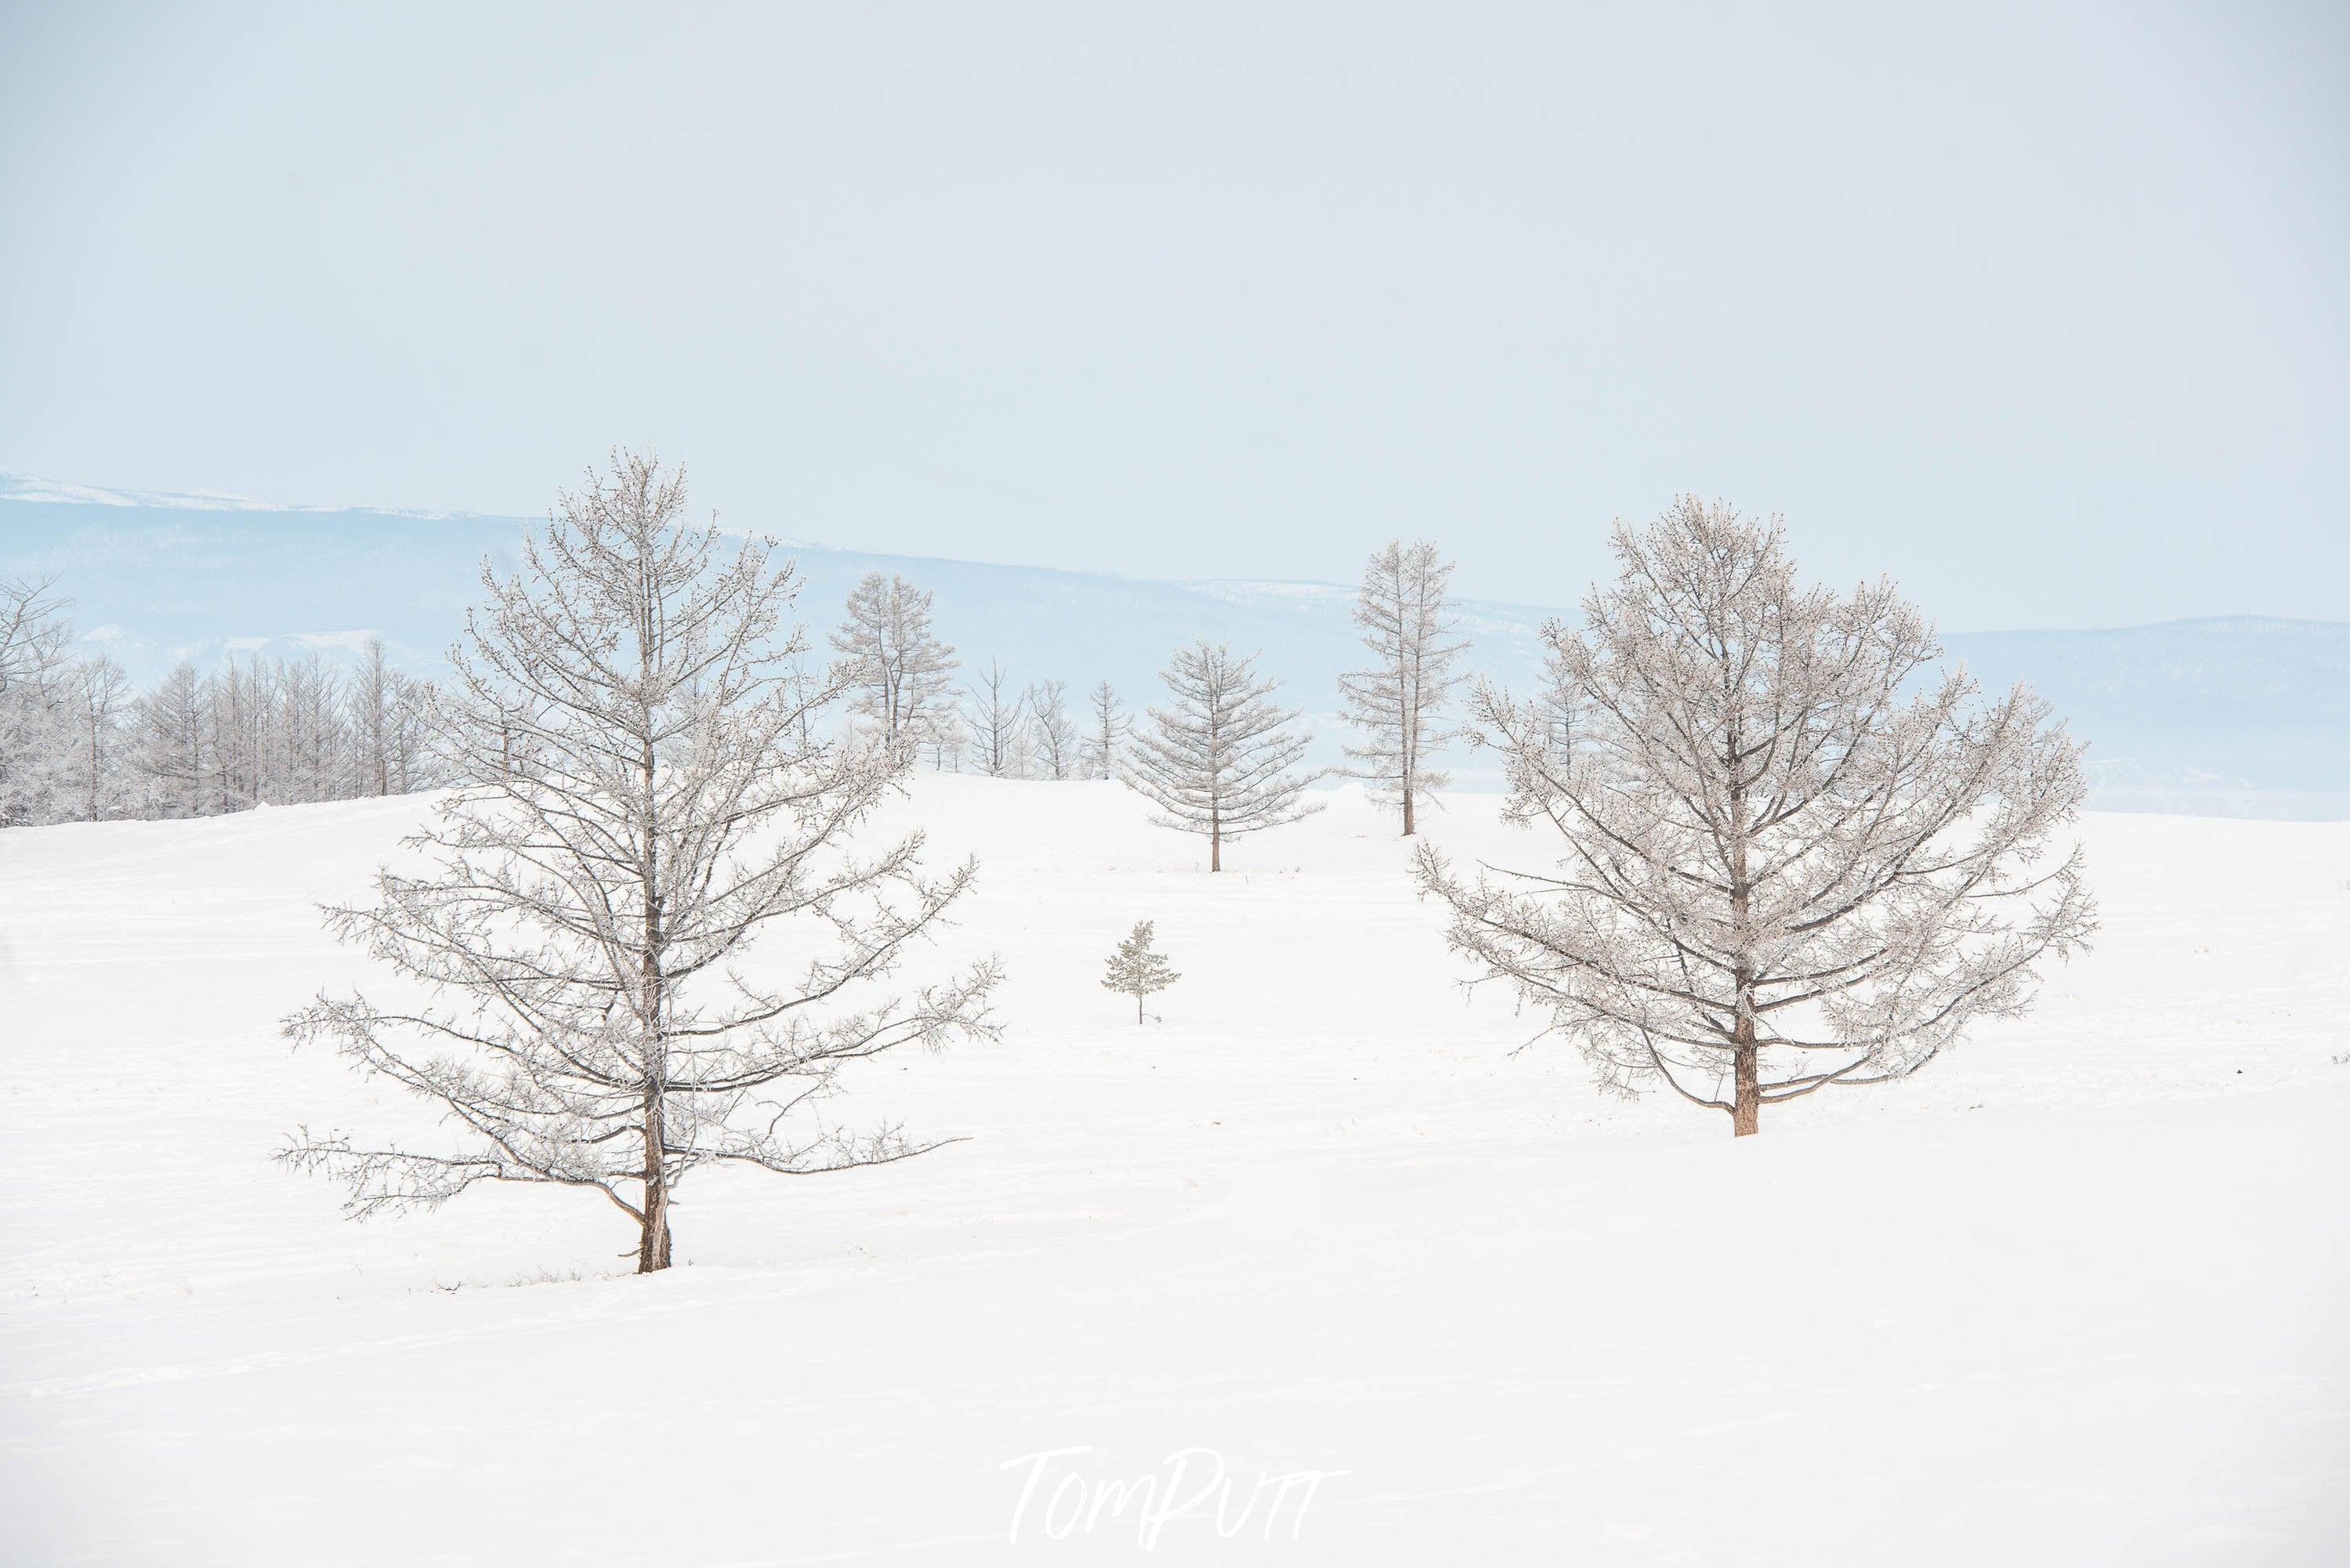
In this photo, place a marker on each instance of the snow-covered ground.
(2078, 1294)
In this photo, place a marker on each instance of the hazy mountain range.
(2231, 715)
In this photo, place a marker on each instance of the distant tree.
(316, 761)
(587, 1012)
(1135, 969)
(1051, 733)
(1551, 720)
(946, 740)
(374, 691)
(805, 681)
(1218, 761)
(34, 736)
(238, 733)
(168, 747)
(999, 724)
(902, 676)
(1398, 703)
(1793, 858)
(1556, 716)
(94, 777)
(1105, 733)
(409, 749)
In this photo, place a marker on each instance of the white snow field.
(2078, 1294)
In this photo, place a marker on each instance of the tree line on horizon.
(78, 743)
(1221, 759)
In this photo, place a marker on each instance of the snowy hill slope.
(2073, 1294)
(2235, 716)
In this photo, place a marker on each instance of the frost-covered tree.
(315, 754)
(809, 681)
(1218, 759)
(1051, 733)
(34, 733)
(590, 1002)
(238, 722)
(998, 724)
(946, 740)
(1137, 970)
(374, 693)
(1792, 856)
(1555, 713)
(1397, 703)
(93, 778)
(902, 676)
(1551, 719)
(167, 744)
(408, 748)
(33, 627)
(1105, 734)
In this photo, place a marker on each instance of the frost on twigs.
(642, 800)
(1792, 854)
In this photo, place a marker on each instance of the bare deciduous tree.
(1554, 714)
(1106, 733)
(237, 723)
(170, 751)
(902, 676)
(409, 748)
(93, 775)
(33, 628)
(946, 739)
(598, 1015)
(999, 724)
(374, 694)
(1786, 867)
(1396, 703)
(33, 700)
(315, 757)
(1217, 761)
(1053, 735)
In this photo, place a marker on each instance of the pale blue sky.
(2043, 310)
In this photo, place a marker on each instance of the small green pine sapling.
(1136, 970)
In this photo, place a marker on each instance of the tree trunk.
(1745, 1056)
(652, 1249)
(1215, 839)
(1746, 1059)
(1138, 1007)
(652, 1243)
(1407, 736)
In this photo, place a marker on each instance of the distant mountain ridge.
(2234, 715)
(2228, 715)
